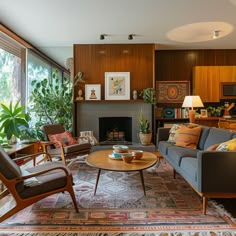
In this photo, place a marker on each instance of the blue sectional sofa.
(211, 173)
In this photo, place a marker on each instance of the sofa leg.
(204, 205)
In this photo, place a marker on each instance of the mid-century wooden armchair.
(32, 184)
(65, 152)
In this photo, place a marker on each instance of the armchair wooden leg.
(72, 194)
(174, 173)
(204, 205)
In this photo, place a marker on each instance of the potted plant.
(13, 119)
(145, 134)
(215, 111)
(149, 95)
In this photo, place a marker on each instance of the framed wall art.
(117, 85)
(172, 91)
(92, 91)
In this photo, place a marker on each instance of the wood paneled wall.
(96, 59)
(178, 64)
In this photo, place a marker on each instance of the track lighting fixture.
(130, 36)
(102, 36)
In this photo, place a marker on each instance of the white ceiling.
(55, 25)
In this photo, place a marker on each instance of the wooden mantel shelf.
(131, 100)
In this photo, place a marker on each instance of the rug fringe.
(110, 233)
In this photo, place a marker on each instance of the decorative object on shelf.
(135, 94)
(149, 95)
(145, 134)
(169, 113)
(203, 113)
(80, 95)
(79, 80)
(227, 108)
(117, 85)
(191, 102)
(92, 91)
(172, 91)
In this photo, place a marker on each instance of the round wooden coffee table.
(101, 160)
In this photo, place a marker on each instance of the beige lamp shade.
(192, 101)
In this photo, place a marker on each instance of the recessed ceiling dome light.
(216, 34)
(200, 32)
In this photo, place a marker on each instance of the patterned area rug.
(120, 206)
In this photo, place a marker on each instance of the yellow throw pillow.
(227, 146)
(188, 137)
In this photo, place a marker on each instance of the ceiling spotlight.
(130, 36)
(216, 34)
(102, 36)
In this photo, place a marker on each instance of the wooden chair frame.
(23, 203)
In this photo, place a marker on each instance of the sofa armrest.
(162, 135)
(217, 171)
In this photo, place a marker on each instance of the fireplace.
(115, 130)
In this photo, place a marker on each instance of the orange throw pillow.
(188, 137)
(65, 138)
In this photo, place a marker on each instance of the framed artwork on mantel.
(172, 91)
(92, 91)
(117, 85)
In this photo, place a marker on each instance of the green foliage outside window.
(51, 102)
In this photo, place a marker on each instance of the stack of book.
(181, 113)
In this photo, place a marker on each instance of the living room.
(152, 43)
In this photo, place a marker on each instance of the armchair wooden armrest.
(33, 157)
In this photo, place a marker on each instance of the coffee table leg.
(141, 175)
(98, 176)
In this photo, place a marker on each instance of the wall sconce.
(131, 36)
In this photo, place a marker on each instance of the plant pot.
(145, 139)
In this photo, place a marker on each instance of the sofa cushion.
(163, 146)
(227, 146)
(188, 137)
(204, 134)
(177, 153)
(217, 135)
(189, 166)
(213, 147)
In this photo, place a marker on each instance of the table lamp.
(192, 101)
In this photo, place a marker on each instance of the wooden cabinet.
(207, 79)
(206, 83)
(227, 73)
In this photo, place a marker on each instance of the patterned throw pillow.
(188, 137)
(172, 135)
(173, 131)
(65, 138)
(227, 146)
(213, 147)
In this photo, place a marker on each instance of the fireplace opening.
(115, 130)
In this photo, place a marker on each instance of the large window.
(42, 85)
(10, 70)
